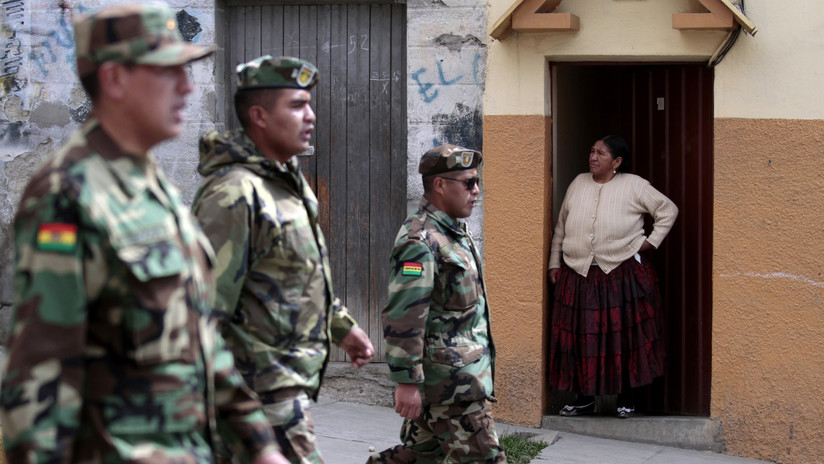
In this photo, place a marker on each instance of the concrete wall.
(768, 317)
(447, 64)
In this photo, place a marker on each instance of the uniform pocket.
(156, 315)
(459, 278)
(457, 356)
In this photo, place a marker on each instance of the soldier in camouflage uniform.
(436, 323)
(113, 356)
(274, 285)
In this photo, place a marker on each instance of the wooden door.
(669, 125)
(665, 112)
(358, 170)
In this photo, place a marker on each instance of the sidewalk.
(347, 431)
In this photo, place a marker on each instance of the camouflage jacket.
(273, 280)
(113, 354)
(436, 324)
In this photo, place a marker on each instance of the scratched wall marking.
(777, 275)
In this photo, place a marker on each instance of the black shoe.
(578, 410)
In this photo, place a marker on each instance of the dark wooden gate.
(665, 112)
(358, 170)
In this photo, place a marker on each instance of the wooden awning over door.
(540, 16)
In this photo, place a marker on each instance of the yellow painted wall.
(777, 73)
(611, 30)
(516, 186)
(768, 242)
(768, 314)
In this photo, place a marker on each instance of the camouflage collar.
(131, 171)
(220, 150)
(441, 218)
(269, 167)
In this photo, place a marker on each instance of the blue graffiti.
(443, 78)
(424, 88)
(475, 68)
(62, 38)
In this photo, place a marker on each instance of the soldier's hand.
(272, 457)
(408, 400)
(357, 345)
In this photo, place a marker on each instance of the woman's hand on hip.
(646, 246)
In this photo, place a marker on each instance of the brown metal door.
(665, 113)
(358, 170)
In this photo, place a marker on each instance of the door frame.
(582, 112)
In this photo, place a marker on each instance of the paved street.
(347, 432)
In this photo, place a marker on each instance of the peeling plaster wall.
(446, 65)
(42, 102)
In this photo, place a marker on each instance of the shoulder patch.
(412, 269)
(57, 237)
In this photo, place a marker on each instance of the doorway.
(665, 113)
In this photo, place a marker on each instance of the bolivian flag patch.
(57, 237)
(412, 269)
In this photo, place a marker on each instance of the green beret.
(272, 73)
(446, 158)
(140, 33)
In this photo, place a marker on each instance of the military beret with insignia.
(282, 72)
(446, 158)
(143, 33)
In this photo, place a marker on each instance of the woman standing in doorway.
(607, 325)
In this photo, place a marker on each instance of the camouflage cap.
(283, 72)
(446, 158)
(139, 33)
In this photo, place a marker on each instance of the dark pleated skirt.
(607, 329)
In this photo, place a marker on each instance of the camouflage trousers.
(293, 425)
(466, 438)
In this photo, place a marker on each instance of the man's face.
(458, 200)
(290, 123)
(155, 97)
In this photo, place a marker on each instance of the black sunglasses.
(470, 183)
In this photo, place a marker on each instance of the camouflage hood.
(219, 150)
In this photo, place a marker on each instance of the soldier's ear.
(258, 116)
(439, 185)
(111, 79)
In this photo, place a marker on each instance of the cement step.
(697, 433)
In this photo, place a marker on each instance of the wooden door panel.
(358, 170)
